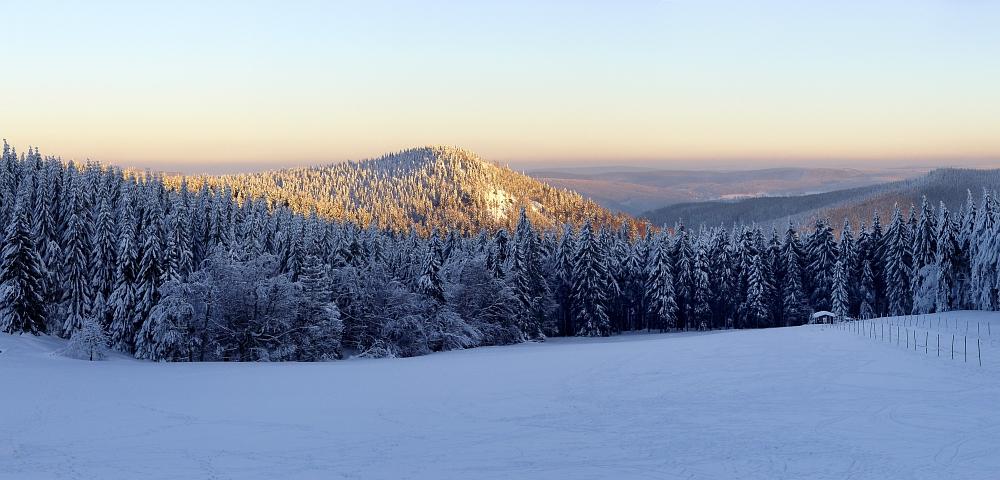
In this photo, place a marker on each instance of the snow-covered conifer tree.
(947, 263)
(150, 273)
(986, 260)
(103, 259)
(759, 292)
(701, 299)
(21, 303)
(683, 271)
(588, 298)
(822, 254)
(839, 301)
(123, 299)
(77, 289)
(319, 328)
(529, 287)
(720, 276)
(429, 282)
(897, 251)
(563, 292)
(661, 305)
(867, 309)
(924, 286)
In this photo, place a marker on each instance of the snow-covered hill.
(813, 402)
(424, 188)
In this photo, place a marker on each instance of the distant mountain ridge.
(948, 185)
(426, 188)
(640, 190)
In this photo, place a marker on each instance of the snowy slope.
(806, 402)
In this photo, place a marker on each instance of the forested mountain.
(948, 185)
(422, 188)
(187, 275)
(636, 190)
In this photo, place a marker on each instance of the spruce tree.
(21, 303)
(122, 303)
(794, 309)
(565, 253)
(822, 252)
(986, 261)
(150, 271)
(839, 301)
(529, 287)
(500, 254)
(178, 256)
(702, 309)
(77, 289)
(429, 282)
(588, 297)
(877, 258)
(318, 328)
(758, 293)
(967, 246)
(104, 256)
(852, 268)
(867, 309)
(43, 224)
(925, 238)
(683, 270)
(924, 283)
(720, 275)
(661, 305)
(946, 262)
(744, 253)
(898, 265)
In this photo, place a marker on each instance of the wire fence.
(970, 341)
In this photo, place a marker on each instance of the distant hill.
(949, 185)
(426, 188)
(639, 190)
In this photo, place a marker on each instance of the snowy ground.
(795, 403)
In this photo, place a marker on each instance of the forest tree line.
(178, 274)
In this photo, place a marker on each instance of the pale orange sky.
(680, 84)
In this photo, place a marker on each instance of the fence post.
(953, 346)
(926, 336)
(965, 348)
(939, 344)
(907, 338)
(979, 350)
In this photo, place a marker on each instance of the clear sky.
(684, 83)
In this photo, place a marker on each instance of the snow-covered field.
(795, 403)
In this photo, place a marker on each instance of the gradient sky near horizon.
(224, 85)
